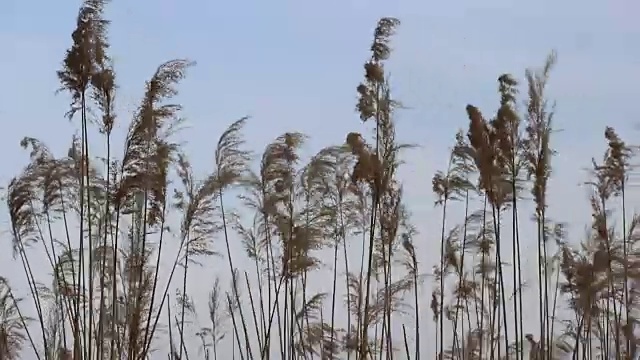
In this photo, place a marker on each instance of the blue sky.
(294, 65)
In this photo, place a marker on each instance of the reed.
(123, 234)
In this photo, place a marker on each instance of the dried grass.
(107, 298)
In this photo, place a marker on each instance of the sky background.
(294, 65)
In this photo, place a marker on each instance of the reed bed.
(122, 232)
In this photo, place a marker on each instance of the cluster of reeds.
(122, 235)
(585, 288)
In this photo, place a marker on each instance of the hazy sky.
(294, 65)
